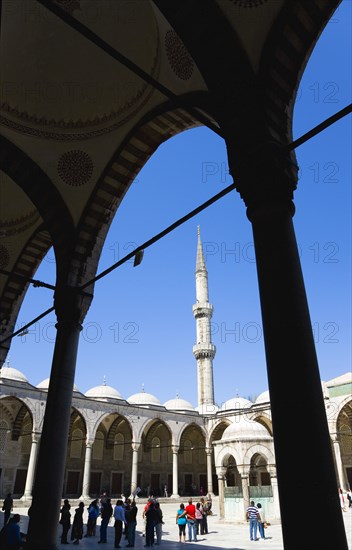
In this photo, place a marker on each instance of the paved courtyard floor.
(221, 534)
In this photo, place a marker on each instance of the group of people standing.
(194, 517)
(124, 514)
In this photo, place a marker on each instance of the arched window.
(119, 447)
(98, 446)
(76, 444)
(155, 449)
(188, 452)
(4, 428)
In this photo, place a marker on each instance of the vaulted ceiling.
(90, 89)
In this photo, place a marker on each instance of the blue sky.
(140, 328)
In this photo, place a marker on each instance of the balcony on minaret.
(203, 309)
(204, 349)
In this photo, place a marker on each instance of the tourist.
(342, 500)
(151, 516)
(181, 522)
(13, 534)
(159, 523)
(191, 521)
(120, 520)
(7, 507)
(65, 521)
(93, 514)
(205, 515)
(253, 517)
(77, 525)
(131, 517)
(199, 519)
(261, 521)
(106, 512)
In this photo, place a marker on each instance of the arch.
(18, 422)
(218, 430)
(120, 423)
(151, 429)
(117, 177)
(4, 432)
(98, 445)
(258, 449)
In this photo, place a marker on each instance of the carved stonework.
(4, 257)
(180, 60)
(17, 225)
(75, 167)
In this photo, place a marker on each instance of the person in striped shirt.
(253, 517)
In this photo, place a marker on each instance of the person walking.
(106, 512)
(120, 520)
(77, 525)
(253, 517)
(65, 521)
(191, 521)
(7, 507)
(261, 521)
(131, 524)
(181, 521)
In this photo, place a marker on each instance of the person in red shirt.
(191, 521)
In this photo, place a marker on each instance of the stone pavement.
(221, 534)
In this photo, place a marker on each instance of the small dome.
(263, 397)
(178, 404)
(103, 392)
(244, 428)
(44, 385)
(236, 403)
(12, 374)
(143, 398)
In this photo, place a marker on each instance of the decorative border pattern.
(4, 257)
(248, 3)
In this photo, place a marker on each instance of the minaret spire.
(204, 350)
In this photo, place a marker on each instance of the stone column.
(31, 466)
(245, 492)
(296, 397)
(209, 453)
(175, 449)
(221, 472)
(338, 462)
(86, 471)
(274, 486)
(134, 473)
(47, 490)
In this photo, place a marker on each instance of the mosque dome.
(143, 398)
(236, 403)
(244, 428)
(44, 385)
(103, 392)
(12, 374)
(263, 397)
(178, 404)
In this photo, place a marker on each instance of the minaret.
(204, 350)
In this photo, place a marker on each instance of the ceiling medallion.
(248, 3)
(75, 167)
(180, 60)
(4, 257)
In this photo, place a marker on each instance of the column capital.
(209, 451)
(265, 175)
(175, 448)
(71, 304)
(136, 445)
